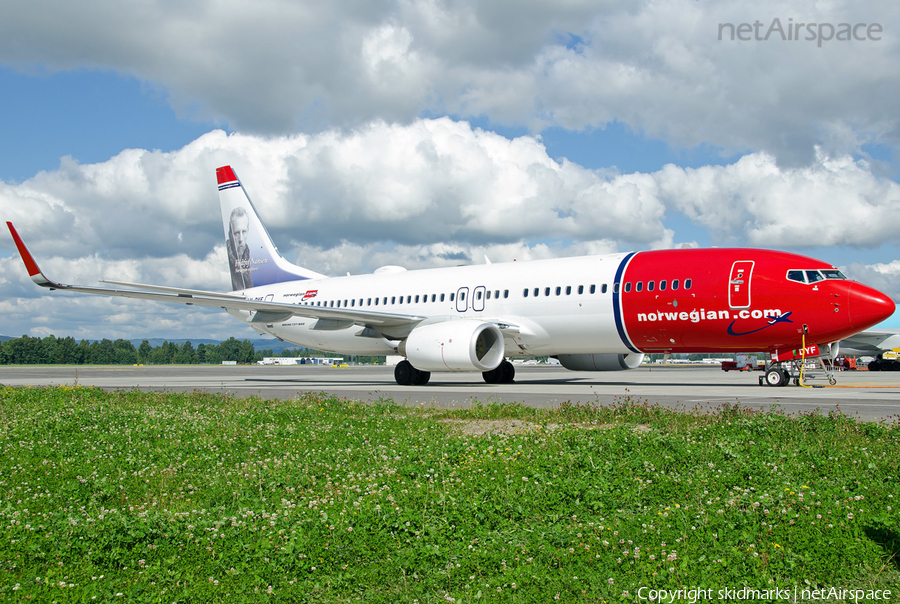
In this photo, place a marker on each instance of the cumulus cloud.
(28, 309)
(660, 67)
(433, 193)
(434, 180)
(834, 201)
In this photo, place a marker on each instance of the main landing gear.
(505, 373)
(407, 375)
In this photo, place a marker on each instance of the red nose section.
(868, 306)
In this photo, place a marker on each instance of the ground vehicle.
(743, 362)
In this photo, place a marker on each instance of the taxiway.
(864, 395)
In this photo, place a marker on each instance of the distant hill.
(5, 338)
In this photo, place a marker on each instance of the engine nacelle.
(454, 345)
(601, 362)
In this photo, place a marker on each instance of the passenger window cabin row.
(638, 287)
(408, 299)
(559, 290)
(663, 284)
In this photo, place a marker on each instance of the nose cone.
(868, 306)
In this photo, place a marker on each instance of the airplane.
(592, 313)
(875, 343)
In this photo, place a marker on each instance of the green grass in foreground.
(202, 497)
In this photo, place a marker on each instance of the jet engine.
(601, 361)
(455, 345)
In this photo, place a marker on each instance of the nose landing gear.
(775, 376)
(781, 374)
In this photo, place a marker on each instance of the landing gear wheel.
(422, 377)
(787, 377)
(494, 375)
(776, 377)
(405, 373)
(504, 373)
(508, 372)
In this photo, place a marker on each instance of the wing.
(871, 342)
(263, 311)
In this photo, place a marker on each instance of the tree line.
(67, 351)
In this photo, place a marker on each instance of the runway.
(864, 395)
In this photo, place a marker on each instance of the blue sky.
(92, 115)
(88, 114)
(112, 123)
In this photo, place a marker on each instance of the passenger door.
(739, 284)
(462, 304)
(478, 298)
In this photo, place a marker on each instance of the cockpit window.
(796, 276)
(811, 276)
(814, 276)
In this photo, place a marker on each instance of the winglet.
(30, 265)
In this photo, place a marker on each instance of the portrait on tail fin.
(253, 259)
(239, 250)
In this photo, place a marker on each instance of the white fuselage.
(568, 307)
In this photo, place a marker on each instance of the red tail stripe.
(225, 174)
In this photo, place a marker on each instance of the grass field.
(136, 497)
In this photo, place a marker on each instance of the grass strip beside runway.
(197, 497)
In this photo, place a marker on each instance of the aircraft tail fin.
(253, 259)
